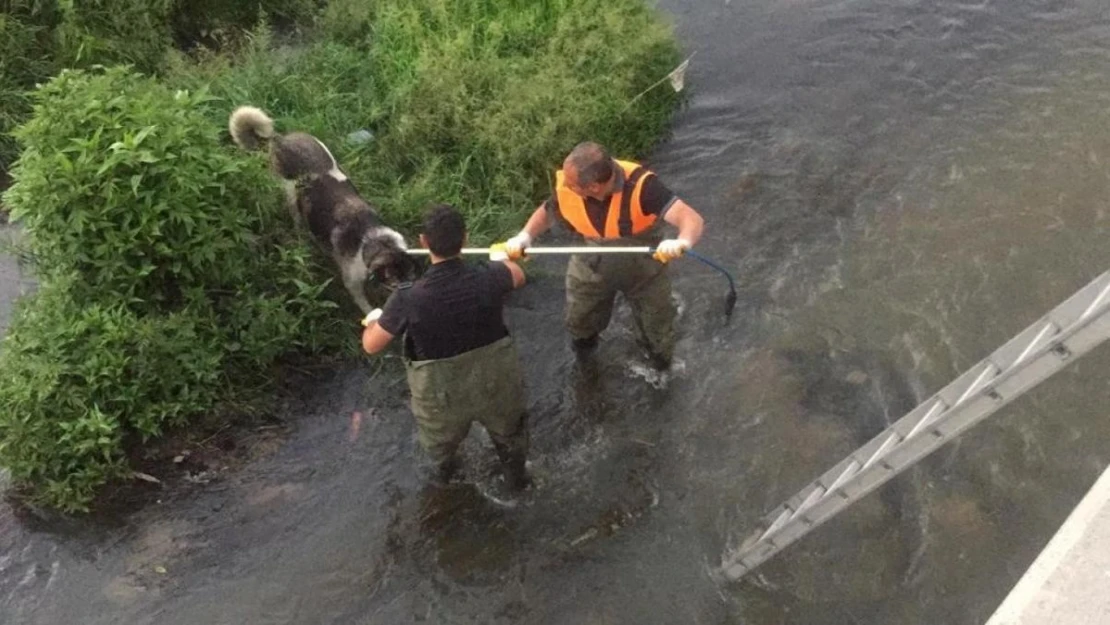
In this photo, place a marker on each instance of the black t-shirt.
(452, 309)
(655, 199)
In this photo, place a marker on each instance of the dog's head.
(385, 255)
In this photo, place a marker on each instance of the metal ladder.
(1063, 335)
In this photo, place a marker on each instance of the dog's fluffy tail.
(250, 127)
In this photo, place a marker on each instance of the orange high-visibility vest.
(626, 216)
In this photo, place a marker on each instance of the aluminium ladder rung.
(1067, 332)
(893, 439)
(853, 467)
(990, 371)
(935, 411)
(814, 496)
(1049, 330)
(1098, 301)
(782, 519)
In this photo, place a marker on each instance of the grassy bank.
(172, 280)
(471, 102)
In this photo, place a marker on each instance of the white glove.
(670, 249)
(372, 316)
(514, 247)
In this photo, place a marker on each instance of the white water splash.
(656, 378)
(679, 303)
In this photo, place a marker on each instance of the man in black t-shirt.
(460, 361)
(610, 202)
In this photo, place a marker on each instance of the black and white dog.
(321, 197)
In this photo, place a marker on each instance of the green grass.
(472, 102)
(21, 63)
(40, 37)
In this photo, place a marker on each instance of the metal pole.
(730, 300)
(533, 251)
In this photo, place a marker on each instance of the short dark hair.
(445, 229)
(593, 163)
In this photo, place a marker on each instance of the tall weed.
(135, 32)
(22, 63)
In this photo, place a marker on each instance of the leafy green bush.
(171, 278)
(124, 182)
(76, 377)
(471, 101)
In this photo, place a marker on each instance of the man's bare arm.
(538, 223)
(689, 223)
(517, 273)
(374, 338)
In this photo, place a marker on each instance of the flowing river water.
(900, 186)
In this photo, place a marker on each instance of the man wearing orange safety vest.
(620, 203)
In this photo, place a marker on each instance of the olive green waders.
(593, 282)
(483, 385)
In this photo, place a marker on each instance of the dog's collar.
(400, 287)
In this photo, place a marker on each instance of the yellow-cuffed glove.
(670, 249)
(498, 252)
(371, 317)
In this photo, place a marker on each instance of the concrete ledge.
(1069, 582)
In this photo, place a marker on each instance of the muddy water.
(900, 185)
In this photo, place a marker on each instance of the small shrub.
(125, 183)
(39, 37)
(76, 377)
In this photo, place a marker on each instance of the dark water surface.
(900, 185)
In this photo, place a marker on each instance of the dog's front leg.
(354, 278)
(291, 203)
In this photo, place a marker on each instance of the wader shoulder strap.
(627, 195)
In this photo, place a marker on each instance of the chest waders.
(483, 385)
(593, 282)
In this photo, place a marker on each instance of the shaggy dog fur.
(323, 199)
